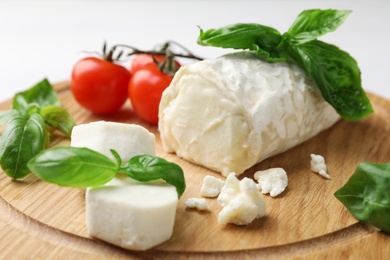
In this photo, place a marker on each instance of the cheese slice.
(131, 214)
(232, 112)
(128, 140)
(124, 212)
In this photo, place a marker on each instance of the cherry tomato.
(145, 89)
(100, 85)
(141, 60)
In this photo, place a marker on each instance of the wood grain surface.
(43, 221)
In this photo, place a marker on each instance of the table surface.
(44, 39)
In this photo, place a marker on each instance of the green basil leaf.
(58, 118)
(264, 40)
(42, 94)
(7, 115)
(73, 167)
(311, 24)
(367, 194)
(337, 76)
(23, 138)
(147, 168)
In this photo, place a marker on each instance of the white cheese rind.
(130, 214)
(229, 113)
(127, 139)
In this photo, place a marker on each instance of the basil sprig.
(35, 112)
(334, 71)
(82, 168)
(367, 194)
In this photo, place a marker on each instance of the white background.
(41, 39)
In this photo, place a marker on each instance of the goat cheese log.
(232, 112)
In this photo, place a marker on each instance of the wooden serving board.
(43, 221)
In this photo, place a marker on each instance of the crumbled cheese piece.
(197, 203)
(211, 186)
(273, 181)
(241, 201)
(318, 165)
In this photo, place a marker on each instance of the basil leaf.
(147, 168)
(58, 118)
(311, 24)
(334, 71)
(83, 167)
(337, 76)
(7, 115)
(73, 167)
(367, 194)
(264, 40)
(42, 94)
(23, 138)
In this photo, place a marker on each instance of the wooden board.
(41, 221)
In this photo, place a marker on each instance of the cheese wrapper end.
(230, 113)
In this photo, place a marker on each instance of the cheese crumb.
(211, 186)
(318, 165)
(241, 201)
(197, 203)
(273, 181)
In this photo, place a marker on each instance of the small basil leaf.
(58, 118)
(23, 138)
(311, 24)
(264, 40)
(147, 168)
(32, 108)
(42, 94)
(337, 76)
(7, 115)
(366, 194)
(73, 167)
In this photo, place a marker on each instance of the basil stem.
(334, 71)
(75, 167)
(23, 138)
(147, 168)
(366, 194)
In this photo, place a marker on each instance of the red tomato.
(141, 60)
(99, 85)
(145, 89)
